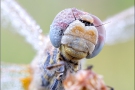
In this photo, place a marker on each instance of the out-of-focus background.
(115, 62)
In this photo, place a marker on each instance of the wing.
(15, 18)
(11, 76)
(121, 27)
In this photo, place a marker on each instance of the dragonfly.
(51, 61)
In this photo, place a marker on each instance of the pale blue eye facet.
(55, 37)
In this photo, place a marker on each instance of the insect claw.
(111, 88)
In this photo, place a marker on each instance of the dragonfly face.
(76, 34)
(79, 40)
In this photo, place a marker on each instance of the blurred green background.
(115, 63)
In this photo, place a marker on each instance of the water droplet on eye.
(55, 37)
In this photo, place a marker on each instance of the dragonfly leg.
(90, 67)
(55, 65)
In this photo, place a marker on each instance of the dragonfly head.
(76, 34)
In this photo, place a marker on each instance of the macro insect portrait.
(77, 38)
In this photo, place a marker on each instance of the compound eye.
(55, 36)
